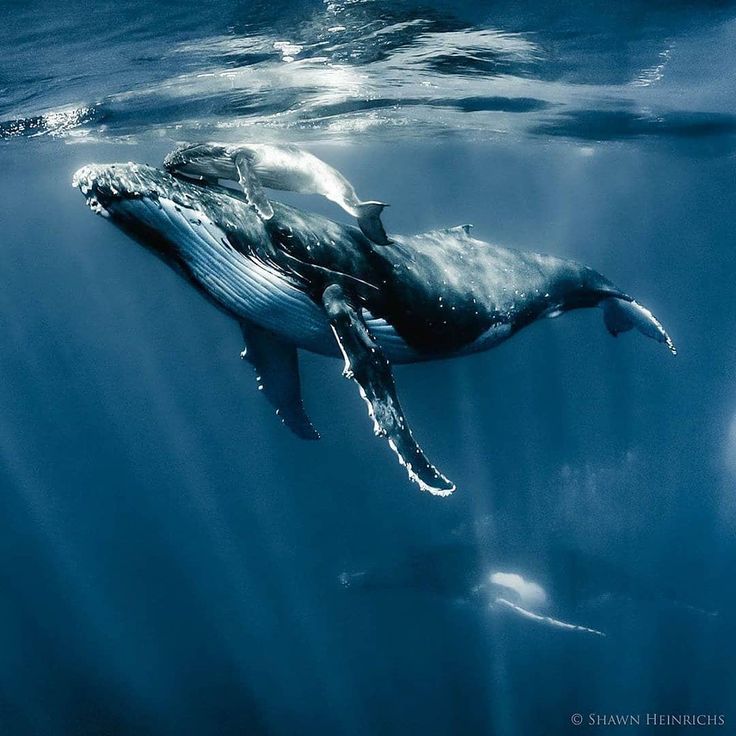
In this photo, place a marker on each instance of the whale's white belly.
(252, 290)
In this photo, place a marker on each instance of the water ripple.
(368, 67)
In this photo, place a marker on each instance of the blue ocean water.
(172, 557)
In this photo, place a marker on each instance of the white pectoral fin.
(544, 620)
(366, 364)
(277, 371)
(252, 187)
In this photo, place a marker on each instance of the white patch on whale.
(528, 592)
(528, 595)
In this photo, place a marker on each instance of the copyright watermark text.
(652, 720)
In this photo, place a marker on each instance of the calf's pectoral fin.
(277, 371)
(366, 364)
(252, 187)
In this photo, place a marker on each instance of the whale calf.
(302, 281)
(284, 167)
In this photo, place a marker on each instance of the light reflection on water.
(370, 69)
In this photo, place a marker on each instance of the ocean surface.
(174, 562)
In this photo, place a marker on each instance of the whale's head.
(109, 189)
(162, 212)
(144, 202)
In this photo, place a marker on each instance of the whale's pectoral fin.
(555, 623)
(252, 187)
(368, 215)
(366, 364)
(277, 371)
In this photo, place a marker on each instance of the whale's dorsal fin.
(456, 231)
(366, 364)
(277, 371)
(464, 229)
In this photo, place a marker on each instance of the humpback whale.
(554, 586)
(302, 281)
(285, 167)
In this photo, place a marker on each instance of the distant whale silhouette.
(300, 280)
(556, 587)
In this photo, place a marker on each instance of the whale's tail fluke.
(621, 315)
(368, 215)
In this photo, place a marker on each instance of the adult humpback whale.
(300, 280)
(553, 585)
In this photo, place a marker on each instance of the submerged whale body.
(555, 586)
(300, 280)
